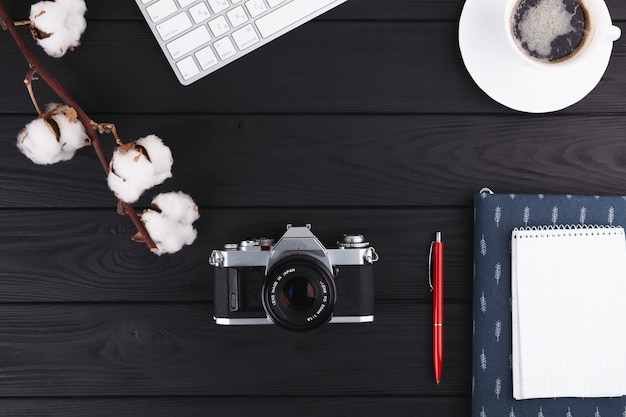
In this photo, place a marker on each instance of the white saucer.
(501, 73)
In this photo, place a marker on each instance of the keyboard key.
(245, 37)
(206, 58)
(225, 48)
(188, 68)
(274, 3)
(188, 42)
(185, 3)
(219, 26)
(200, 12)
(174, 26)
(282, 17)
(237, 16)
(161, 9)
(256, 7)
(218, 5)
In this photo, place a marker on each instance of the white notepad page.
(569, 312)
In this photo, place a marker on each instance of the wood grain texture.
(362, 161)
(310, 70)
(176, 349)
(368, 406)
(87, 256)
(364, 120)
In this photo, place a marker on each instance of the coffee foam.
(546, 28)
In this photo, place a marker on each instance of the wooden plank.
(352, 10)
(237, 406)
(87, 255)
(365, 161)
(175, 349)
(319, 68)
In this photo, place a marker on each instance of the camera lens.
(299, 293)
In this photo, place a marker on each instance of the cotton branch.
(35, 67)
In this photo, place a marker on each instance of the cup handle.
(613, 33)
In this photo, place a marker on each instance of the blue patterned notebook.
(496, 215)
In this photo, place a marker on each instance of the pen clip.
(430, 266)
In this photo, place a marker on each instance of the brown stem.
(28, 80)
(45, 75)
(108, 128)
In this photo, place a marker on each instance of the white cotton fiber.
(73, 134)
(58, 25)
(124, 190)
(169, 236)
(39, 143)
(134, 167)
(138, 166)
(178, 206)
(54, 136)
(160, 157)
(171, 227)
(48, 16)
(76, 6)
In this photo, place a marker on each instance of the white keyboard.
(199, 37)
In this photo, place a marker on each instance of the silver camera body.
(296, 283)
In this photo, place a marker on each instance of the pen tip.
(438, 382)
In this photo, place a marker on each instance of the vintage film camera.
(296, 283)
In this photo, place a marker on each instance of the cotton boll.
(139, 165)
(39, 142)
(169, 236)
(54, 136)
(58, 25)
(170, 225)
(177, 206)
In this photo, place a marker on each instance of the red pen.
(436, 286)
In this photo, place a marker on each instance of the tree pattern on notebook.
(498, 273)
(495, 217)
(555, 215)
(498, 215)
(498, 388)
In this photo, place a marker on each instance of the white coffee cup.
(598, 29)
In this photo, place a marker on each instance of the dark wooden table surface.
(362, 120)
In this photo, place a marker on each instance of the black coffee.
(549, 30)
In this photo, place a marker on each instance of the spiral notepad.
(568, 287)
